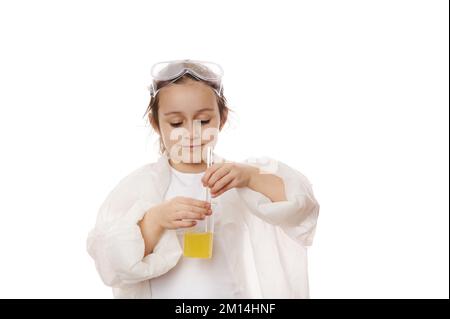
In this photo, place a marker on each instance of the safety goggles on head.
(167, 72)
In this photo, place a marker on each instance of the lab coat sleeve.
(297, 216)
(117, 246)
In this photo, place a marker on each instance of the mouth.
(192, 146)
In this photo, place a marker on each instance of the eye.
(179, 123)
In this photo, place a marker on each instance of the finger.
(193, 201)
(195, 209)
(184, 223)
(222, 182)
(209, 171)
(218, 174)
(226, 188)
(188, 215)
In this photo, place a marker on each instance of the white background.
(354, 94)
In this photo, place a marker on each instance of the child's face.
(189, 119)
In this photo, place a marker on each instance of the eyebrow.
(201, 110)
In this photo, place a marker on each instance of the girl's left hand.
(221, 177)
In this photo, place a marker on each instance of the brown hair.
(153, 106)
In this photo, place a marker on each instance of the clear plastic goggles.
(166, 72)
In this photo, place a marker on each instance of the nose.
(194, 132)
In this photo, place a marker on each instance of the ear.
(223, 119)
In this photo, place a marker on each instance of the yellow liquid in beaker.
(198, 245)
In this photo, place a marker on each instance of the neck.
(188, 167)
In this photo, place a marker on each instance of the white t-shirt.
(195, 277)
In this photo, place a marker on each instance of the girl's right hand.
(172, 214)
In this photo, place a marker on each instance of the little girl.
(264, 212)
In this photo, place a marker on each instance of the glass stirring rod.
(209, 162)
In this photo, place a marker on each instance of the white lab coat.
(265, 241)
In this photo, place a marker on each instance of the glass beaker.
(198, 240)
